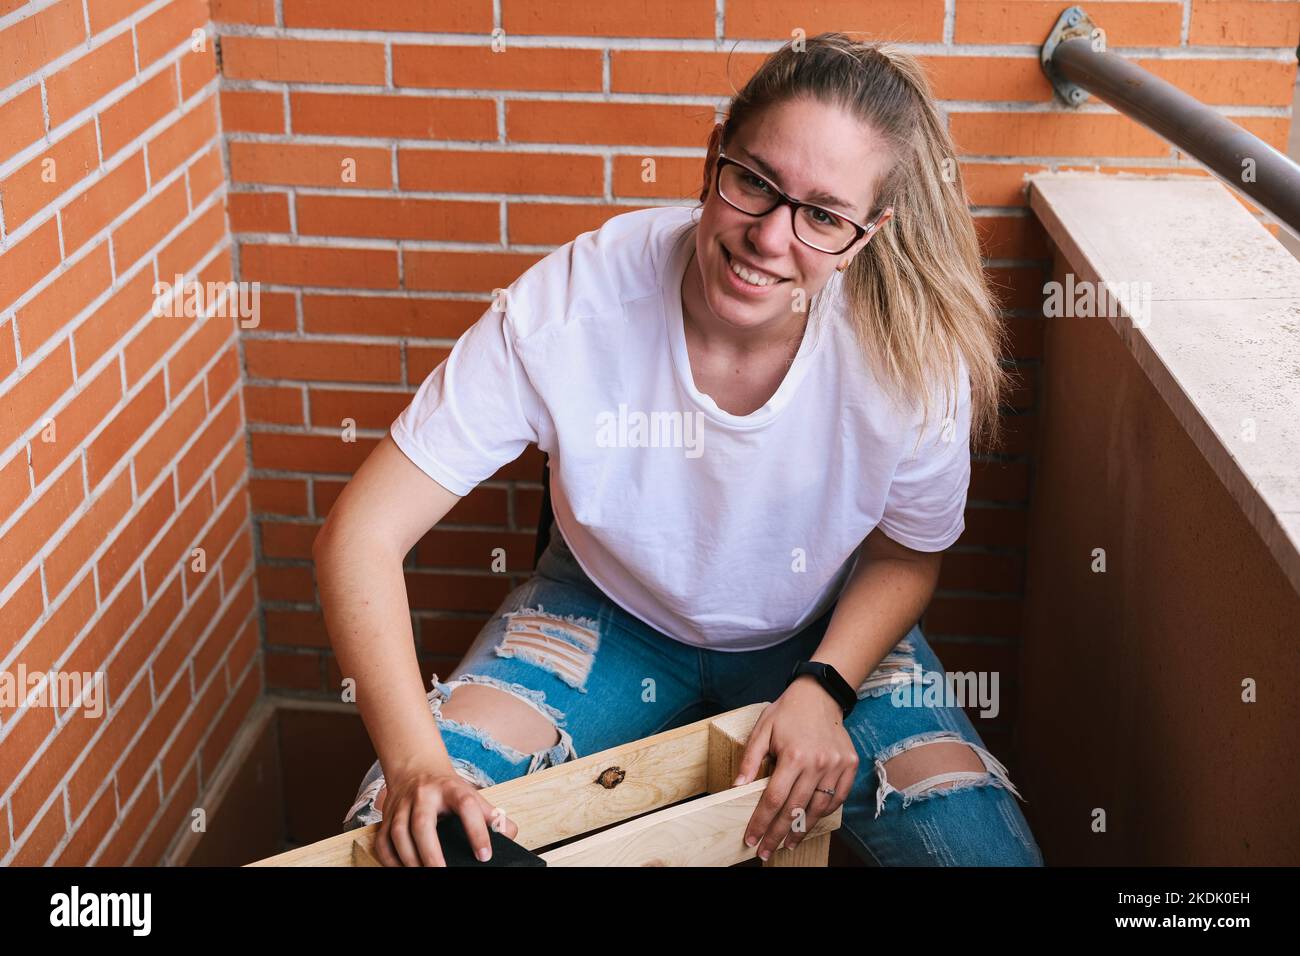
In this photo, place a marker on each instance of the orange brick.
(259, 212)
(322, 361)
(103, 202)
(128, 546)
(24, 606)
(109, 506)
(213, 334)
(181, 421)
(1052, 134)
(437, 219)
(26, 262)
(198, 69)
(652, 71)
(37, 525)
(130, 116)
(104, 13)
(182, 138)
(410, 117)
(90, 832)
(311, 266)
(84, 81)
(478, 67)
(36, 184)
(196, 240)
(244, 11)
(91, 405)
(286, 670)
(987, 78)
(294, 452)
(1234, 82)
(206, 174)
(173, 548)
(284, 496)
(1242, 23)
(547, 121)
(144, 230)
(161, 32)
(37, 39)
(500, 172)
(329, 407)
(55, 306)
(111, 445)
(675, 177)
(1030, 21)
(465, 16)
(112, 321)
(307, 61)
(911, 21)
(37, 388)
(551, 223)
(998, 184)
(463, 271)
(35, 850)
(8, 356)
(287, 164)
(22, 122)
(669, 18)
(274, 404)
(252, 111)
(388, 315)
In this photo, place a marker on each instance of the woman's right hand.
(411, 805)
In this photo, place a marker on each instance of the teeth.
(753, 278)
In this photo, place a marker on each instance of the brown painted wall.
(1132, 679)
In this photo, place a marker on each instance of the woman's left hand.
(804, 730)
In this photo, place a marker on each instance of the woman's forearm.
(367, 615)
(878, 606)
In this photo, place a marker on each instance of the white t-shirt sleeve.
(476, 411)
(926, 502)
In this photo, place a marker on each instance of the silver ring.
(826, 790)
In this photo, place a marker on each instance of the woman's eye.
(754, 182)
(825, 219)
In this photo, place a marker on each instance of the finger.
(401, 837)
(770, 803)
(796, 803)
(819, 804)
(471, 814)
(755, 751)
(384, 850)
(424, 831)
(497, 819)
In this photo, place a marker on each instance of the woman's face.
(810, 151)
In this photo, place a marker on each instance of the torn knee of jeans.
(939, 784)
(898, 667)
(565, 645)
(550, 755)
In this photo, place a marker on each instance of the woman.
(759, 425)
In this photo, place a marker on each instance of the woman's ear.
(715, 146)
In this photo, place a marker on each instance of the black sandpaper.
(456, 849)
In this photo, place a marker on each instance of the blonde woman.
(759, 414)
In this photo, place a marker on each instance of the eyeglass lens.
(814, 226)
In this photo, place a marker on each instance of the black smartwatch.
(830, 679)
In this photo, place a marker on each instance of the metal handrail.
(1076, 61)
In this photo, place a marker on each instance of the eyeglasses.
(816, 226)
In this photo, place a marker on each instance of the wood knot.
(611, 778)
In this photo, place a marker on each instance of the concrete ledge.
(1219, 333)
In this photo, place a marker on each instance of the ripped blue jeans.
(558, 643)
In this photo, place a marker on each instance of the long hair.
(916, 294)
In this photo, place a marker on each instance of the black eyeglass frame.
(782, 199)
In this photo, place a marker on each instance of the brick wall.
(386, 171)
(121, 433)
(472, 164)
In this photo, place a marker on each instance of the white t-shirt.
(722, 531)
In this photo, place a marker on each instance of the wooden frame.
(657, 774)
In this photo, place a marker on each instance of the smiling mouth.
(770, 279)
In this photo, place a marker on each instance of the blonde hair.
(916, 294)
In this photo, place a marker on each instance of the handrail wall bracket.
(1073, 23)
